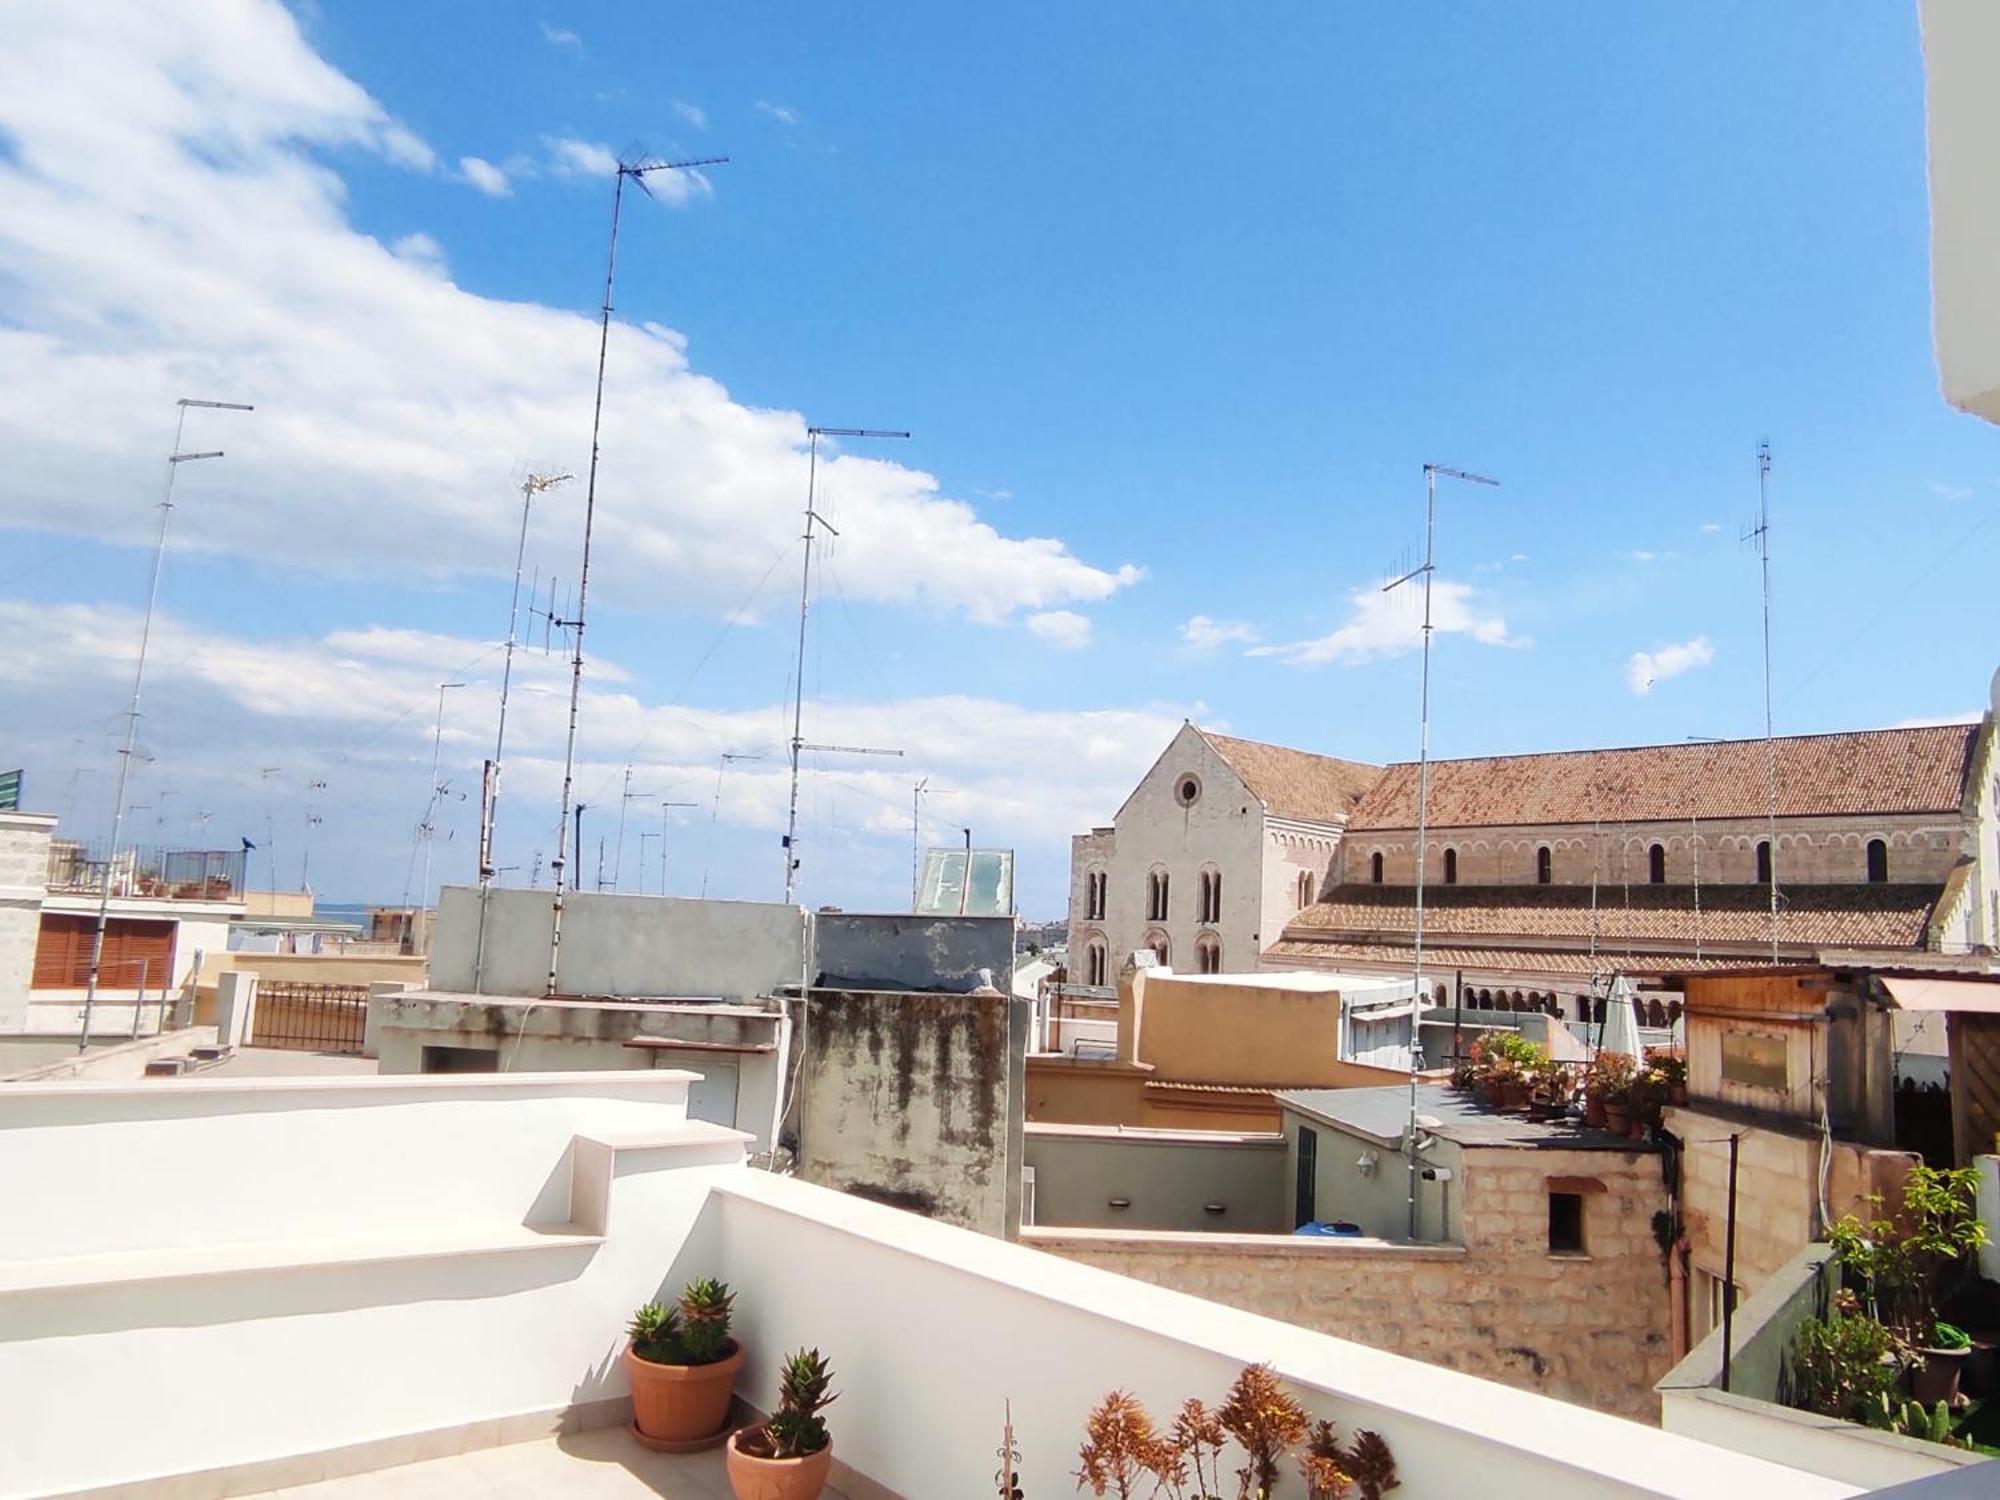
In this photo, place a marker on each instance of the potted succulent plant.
(683, 1364)
(788, 1456)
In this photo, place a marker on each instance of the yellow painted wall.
(1235, 1033)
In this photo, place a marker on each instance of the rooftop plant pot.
(682, 1404)
(754, 1478)
(1593, 1111)
(1616, 1120)
(1937, 1378)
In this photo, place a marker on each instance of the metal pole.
(618, 856)
(1770, 743)
(139, 998)
(1729, 1268)
(665, 808)
(583, 589)
(174, 460)
(1423, 825)
(799, 673)
(916, 842)
(430, 812)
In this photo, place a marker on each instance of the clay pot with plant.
(1607, 1090)
(683, 1363)
(1936, 1378)
(788, 1456)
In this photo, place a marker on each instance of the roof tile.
(1296, 783)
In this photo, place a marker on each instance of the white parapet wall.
(933, 1331)
(239, 1278)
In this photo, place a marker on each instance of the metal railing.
(300, 1016)
(147, 874)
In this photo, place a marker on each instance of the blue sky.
(1192, 294)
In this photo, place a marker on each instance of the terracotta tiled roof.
(1443, 959)
(1812, 916)
(1868, 771)
(1296, 783)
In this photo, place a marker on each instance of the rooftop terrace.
(238, 1286)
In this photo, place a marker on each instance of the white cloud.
(1647, 668)
(483, 175)
(1952, 491)
(784, 114)
(1938, 720)
(1389, 623)
(561, 36)
(420, 250)
(694, 114)
(1644, 556)
(1710, 527)
(570, 157)
(1064, 629)
(1204, 634)
(220, 260)
(355, 708)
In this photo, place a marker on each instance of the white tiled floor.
(602, 1465)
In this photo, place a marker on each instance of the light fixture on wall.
(1365, 1164)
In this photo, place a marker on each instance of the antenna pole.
(1770, 741)
(637, 172)
(916, 842)
(174, 460)
(665, 809)
(813, 435)
(1431, 473)
(618, 858)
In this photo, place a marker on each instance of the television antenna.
(1427, 571)
(175, 459)
(813, 519)
(638, 171)
(1760, 536)
(722, 763)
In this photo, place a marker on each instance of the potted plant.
(1607, 1091)
(787, 1457)
(683, 1364)
(1936, 1378)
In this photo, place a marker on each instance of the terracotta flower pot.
(1593, 1112)
(1937, 1380)
(1616, 1120)
(777, 1478)
(682, 1403)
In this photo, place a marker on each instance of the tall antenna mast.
(722, 763)
(1761, 534)
(427, 829)
(917, 791)
(813, 517)
(174, 460)
(638, 171)
(532, 485)
(1431, 473)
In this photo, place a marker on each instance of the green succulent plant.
(655, 1332)
(804, 1391)
(704, 1315)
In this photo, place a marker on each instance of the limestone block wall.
(1777, 1191)
(1590, 1328)
(1922, 849)
(24, 863)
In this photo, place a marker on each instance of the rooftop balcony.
(222, 1287)
(78, 869)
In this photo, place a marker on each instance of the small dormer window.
(1187, 791)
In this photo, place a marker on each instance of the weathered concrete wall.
(737, 1087)
(1102, 1091)
(915, 1100)
(620, 945)
(1167, 1179)
(867, 950)
(1589, 1328)
(1777, 1179)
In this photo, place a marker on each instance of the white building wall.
(1292, 850)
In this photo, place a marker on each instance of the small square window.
(1565, 1223)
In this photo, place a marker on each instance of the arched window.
(1656, 1015)
(1656, 864)
(1451, 867)
(1215, 896)
(1094, 965)
(1878, 861)
(1763, 861)
(1093, 896)
(1162, 948)
(1305, 889)
(1207, 955)
(1156, 896)
(1545, 864)
(1375, 867)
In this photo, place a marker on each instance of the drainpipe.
(1677, 1308)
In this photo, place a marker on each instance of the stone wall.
(1777, 1176)
(1922, 850)
(1589, 1328)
